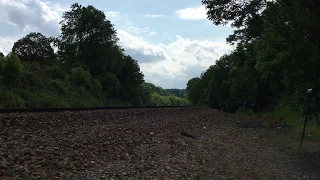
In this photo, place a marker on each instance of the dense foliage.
(177, 92)
(89, 68)
(160, 96)
(276, 59)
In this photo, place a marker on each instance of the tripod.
(306, 119)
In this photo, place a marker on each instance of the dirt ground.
(148, 144)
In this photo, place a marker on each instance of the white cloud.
(32, 15)
(57, 6)
(115, 16)
(138, 48)
(133, 29)
(152, 33)
(6, 44)
(129, 27)
(111, 14)
(198, 13)
(37, 15)
(172, 65)
(154, 15)
(136, 30)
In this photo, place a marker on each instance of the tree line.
(178, 92)
(84, 66)
(275, 61)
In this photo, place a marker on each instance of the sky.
(172, 40)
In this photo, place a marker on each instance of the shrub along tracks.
(162, 143)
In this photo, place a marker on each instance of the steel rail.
(2, 111)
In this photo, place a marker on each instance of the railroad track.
(2, 111)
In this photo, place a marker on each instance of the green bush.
(31, 85)
(285, 118)
(56, 72)
(11, 70)
(79, 77)
(158, 100)
(110, 84)
(9, 99)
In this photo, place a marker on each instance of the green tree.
(80, 77)
(131, 78)
(11, 71)
(244, 15)
(89, 40)
(193, 91)
(239, 12)
(96, 88)
(89, 69)
(34, 47)
(276, 58)
(56, 72)
(110, 84)
(177, 92)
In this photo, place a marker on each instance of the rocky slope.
(139, 144)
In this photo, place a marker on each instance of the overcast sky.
(171, 39)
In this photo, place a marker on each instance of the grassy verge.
(282, 130)
(291, 122)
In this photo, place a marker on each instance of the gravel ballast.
(166, 143)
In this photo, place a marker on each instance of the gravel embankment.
(138, 144)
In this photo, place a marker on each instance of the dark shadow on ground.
(310, 161)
